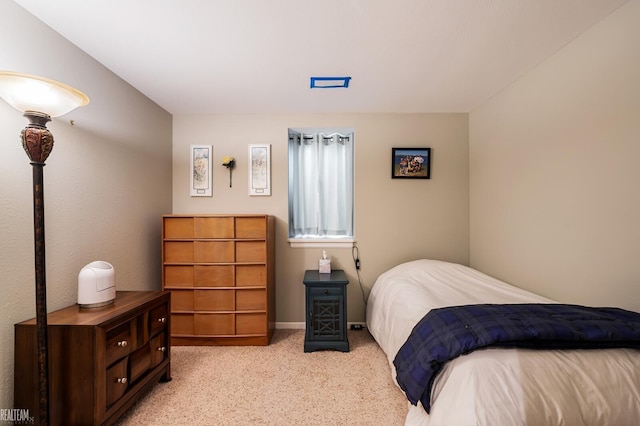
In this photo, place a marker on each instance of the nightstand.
(326, 311)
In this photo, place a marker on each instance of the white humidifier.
(96, 284)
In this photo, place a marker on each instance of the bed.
(493, 385)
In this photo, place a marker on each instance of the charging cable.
(355, 253)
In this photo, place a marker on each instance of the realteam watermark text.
(19, 416)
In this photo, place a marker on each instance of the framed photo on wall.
(411, 163)
(200, 166)
(260, 169)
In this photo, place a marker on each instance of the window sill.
(321, 242)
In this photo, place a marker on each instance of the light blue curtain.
(321, 185)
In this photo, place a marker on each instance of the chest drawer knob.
(122, 343)
(162, 320)
(325, 291)
(121, 380)
(162, 348)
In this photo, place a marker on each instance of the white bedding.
(501, 386)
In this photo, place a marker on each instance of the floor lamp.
(39, 99)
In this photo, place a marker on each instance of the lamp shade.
(32, 93)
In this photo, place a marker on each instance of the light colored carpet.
(277, 384)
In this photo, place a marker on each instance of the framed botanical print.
(200, 165)
(259, 169)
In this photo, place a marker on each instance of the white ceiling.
(257, 56)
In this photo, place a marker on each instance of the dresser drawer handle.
(325, 291)
(161, 349)
(122, 343)
(162, 320)
(121, 380)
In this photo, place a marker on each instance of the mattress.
(500, 386)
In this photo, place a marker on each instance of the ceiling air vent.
(329, 82)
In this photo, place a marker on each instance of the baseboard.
(302, 325)
(290, 325)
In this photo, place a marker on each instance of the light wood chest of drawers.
(220, 270)
(101, 360)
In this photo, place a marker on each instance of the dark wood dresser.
(101, 360)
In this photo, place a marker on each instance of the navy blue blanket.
(445, 333)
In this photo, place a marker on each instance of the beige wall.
(106, 183)
(555, 182)
(396, 220)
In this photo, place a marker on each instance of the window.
(321, 187)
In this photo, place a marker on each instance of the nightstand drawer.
(326, 291)
(118, 343)
(159, 350)
(158, 318)
(117, 381)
